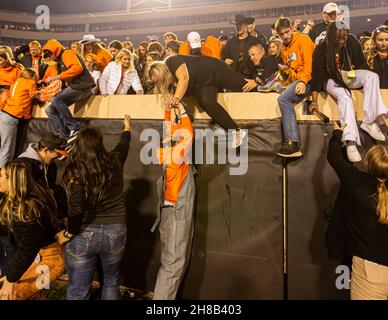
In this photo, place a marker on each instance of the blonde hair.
(26, 199)
(376, 164)
(34, 43)
(372, 53)
(28, 73)
(278, 44)
(4, 53)
(125, 52)
(165, 83)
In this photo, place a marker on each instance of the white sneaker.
(373, 130)
(353, 154)
(72, 136)
(238, 137)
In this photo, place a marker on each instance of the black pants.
(207, 95)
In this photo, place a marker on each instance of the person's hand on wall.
(127, 122)
(336, 126)
(229, 61)
(251, 84)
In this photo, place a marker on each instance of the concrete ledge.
(241, 106)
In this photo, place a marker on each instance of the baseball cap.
(241, 19)
(54, 142)
(331, 7)
(194, 39)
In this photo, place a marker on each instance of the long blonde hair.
(6, 54)
(376, 164)
(373, 52)
(26, 199)
(165, 83)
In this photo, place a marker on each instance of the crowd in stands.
(295, 62)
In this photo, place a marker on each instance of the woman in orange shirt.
(91, 45)
(17, 107)
(9, 70)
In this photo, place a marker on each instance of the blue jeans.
(58, 110)
(8, 131)
(287, 101)
(95, 240)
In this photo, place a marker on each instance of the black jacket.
(232, 51)
(318, 32)
(381, 68)
(111, 208)
(320, 69)
(268, 66)
(46, 175)
(29, 239)
(354, 229)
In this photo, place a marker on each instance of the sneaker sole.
(292, 155)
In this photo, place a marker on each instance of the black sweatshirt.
(380, 66)
(354, 229)
(29, 239)
(111, 208)
(320, 70)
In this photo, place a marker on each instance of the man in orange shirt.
(75, 75)
(297, 55)
(176, 191)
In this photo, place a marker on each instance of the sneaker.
(68, 149)
(238, 137)
(373, 130)
(290, 149)
(72, 136)
(353, 154)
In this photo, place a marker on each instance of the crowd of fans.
(295, 63)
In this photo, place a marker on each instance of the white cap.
(331, 7)
(194, 39)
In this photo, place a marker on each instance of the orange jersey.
(298, 56)
(20, 98)
(175, 158)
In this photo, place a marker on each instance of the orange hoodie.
(211, 48)
(19, 102)
(9, 75)
(173, 157)
(69, 59)
(298, 55)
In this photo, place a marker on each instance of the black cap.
(54, 142)
(240, 19)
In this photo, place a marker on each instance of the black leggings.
(207, 96)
